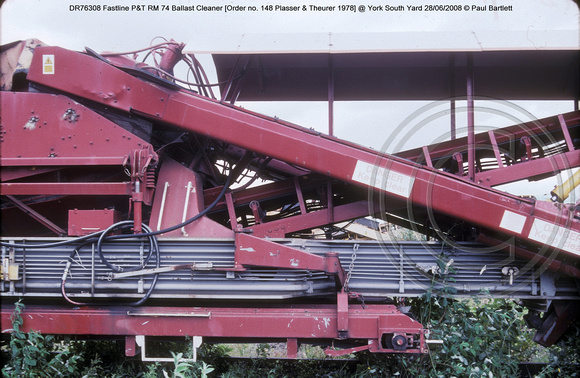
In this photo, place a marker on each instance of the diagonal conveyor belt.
(539, 228)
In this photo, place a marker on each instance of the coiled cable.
(153, 250)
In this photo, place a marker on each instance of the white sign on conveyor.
(383, 179)
(555, 236)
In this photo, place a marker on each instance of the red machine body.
(111, 149)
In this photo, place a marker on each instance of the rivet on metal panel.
(31, 124)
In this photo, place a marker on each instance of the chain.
(351, 266)
(362, 301)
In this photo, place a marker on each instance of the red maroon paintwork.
(78, 137)
(326, 155)
(370, 322)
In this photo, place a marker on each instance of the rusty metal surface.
(14, 58)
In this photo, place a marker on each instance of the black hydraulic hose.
(153, 248)
(118, 269)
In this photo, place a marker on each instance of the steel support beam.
(539, 168)
(67, 188)
(330, 95)
(37, 216)
(253, 251)
(470, 120)
(371, 323)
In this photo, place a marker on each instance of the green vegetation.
(483, 337)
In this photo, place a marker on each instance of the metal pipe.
(23, 270)
(188, 192)
(330, 95)
(561, 192)
(92, 269)
(470, 120)
(137, 199)
(4, 268)
(162, 209)
(452, 110)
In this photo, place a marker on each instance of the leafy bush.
(478, 339)
(481, 336)
(34, 355)
(565, 356)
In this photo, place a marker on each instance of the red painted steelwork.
(534, 169)
(72, 136)
(71, 133)
(371, 322)
(270, 190)
(84, 222)
(282, 227)
(36, 215)
(557, 322)
(183, 193)
(15, 172)
(253, 251)
(171, 56)
(70, 189)
(75, 136)
(425, 187)
(499, 144)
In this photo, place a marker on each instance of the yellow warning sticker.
(48, 64)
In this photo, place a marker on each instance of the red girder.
(254, 251)
(67, 188)
(370, 322)
(281, 227)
